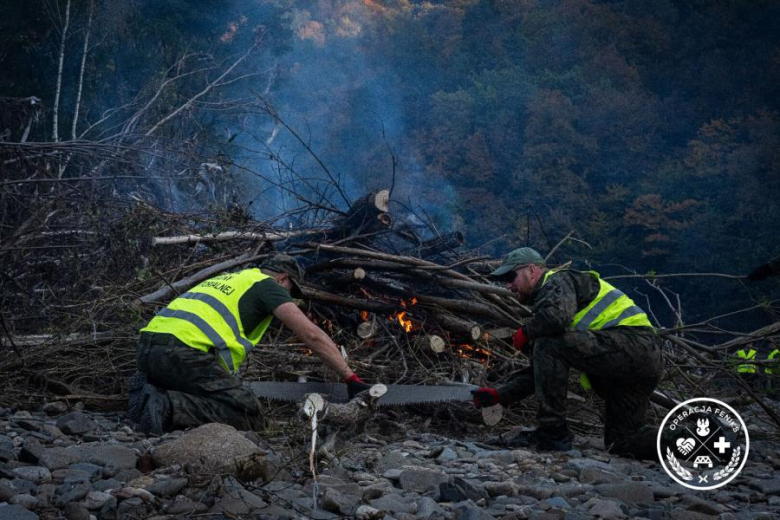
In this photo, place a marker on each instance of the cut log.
(356, 411)
(459, 326)
(435, 343)
(503, 333)
(368, 214)
(368, 329)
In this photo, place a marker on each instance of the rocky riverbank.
(62, 463)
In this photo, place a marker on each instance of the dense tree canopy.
(652, 129)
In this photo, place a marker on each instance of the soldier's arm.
(554, 307)
(314, 337)
(519, 386)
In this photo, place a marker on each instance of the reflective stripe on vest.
(610, 308)
(207, 316)
(771, 357)
(747, 356)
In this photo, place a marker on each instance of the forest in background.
(650, 129)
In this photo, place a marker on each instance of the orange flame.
(364, 315)
(406, 324)
(471, 352)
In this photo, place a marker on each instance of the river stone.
(392, 460)
(15, 512)
(337, 502)
(31, 451)
(607, 509)
(6, 448)
(96, 499)
(166, 487)
(70, 493)
(394, 504)
(768, 487)
(368, 513)
(580, 464)
(45, 493)
(239, 501)
(184, 506)
(22, 485)
(27, 501)
(507, 488)
(420, 479)
(55, 408)
(76, 511)
(109, 455)
(472, 512)
(131, 508)
(211, 447)
(446, 455)
(594, 475)
(630, 492)
(6, 492)
(392, 474)
(35, 474)
(93, 471)
(75, 423)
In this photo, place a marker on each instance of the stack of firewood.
(390, 297)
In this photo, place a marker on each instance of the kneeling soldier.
(582, 322)
(190, 352)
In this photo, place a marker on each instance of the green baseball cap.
(517, 258)
(281, 263)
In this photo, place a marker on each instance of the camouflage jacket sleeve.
(557, 301)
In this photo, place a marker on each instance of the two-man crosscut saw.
(397, 395)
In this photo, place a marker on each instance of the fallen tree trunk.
(161, 295)
(230, 235)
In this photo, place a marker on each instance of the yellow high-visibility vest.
(771, 357)
(748, 355)
(610, 308)
(207, 317)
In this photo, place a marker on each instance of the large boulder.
(213, 447)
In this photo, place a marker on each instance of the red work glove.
(520, 340)
(485, 397)
(355, 385)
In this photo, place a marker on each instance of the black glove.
(485, 397)
(355, 385)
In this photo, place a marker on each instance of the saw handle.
(355, 385)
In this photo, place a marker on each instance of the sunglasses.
(511, 275)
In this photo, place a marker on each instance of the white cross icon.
(722, 445)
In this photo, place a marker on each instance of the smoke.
(345, 98)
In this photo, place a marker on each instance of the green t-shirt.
(260, 301)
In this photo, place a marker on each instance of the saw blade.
(397, 395)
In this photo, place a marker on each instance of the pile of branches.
(405, 309)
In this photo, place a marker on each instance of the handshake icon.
(684, 446)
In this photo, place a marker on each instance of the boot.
(156, 413)
(542, 440)
(135, 398)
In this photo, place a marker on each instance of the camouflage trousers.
(199, 389)
(623, 366)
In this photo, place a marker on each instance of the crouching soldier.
(582, 322)
(190, 352)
